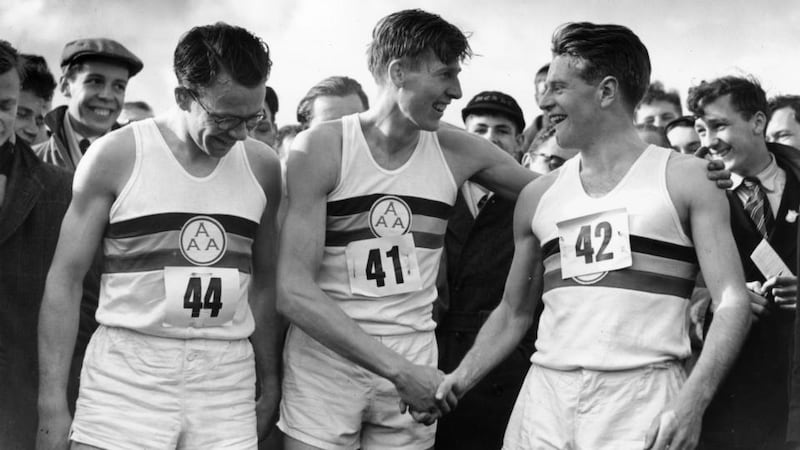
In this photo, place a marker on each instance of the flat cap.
(100, 48)
(496, 102)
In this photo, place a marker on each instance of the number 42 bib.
(594, 243)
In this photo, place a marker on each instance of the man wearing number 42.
(184, 205)
(610, 243)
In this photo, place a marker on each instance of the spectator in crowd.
(134, 111)
(95, 77)
(33, 199)
(784, 120)
(750, 408)
(35, 99)
(540, 122)
(652, 134)
(545, 154)
(682, 136)
(330, 99)
(266, 131)
(658, 106)
(478, 248)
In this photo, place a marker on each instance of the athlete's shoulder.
(108, 163)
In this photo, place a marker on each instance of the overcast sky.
(312, 39)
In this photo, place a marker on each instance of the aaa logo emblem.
(389, 216)
(203, 240)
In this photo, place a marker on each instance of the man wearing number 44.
(184, 205)
(369, 197)
(610, 243)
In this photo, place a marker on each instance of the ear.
(759, 120)
(396, 73)
(63, 86)
(182, 98)
(519, 139)
(608, 91)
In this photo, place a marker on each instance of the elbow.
(286, 302)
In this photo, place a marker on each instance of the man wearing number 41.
(610, 243)
(184, 205)
(369, 197)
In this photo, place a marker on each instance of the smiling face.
(96, 94)
(571, 102)
(737, 141)
(499, 130)
(31, 110)
(683, 139)
(425, 91)
(223, 99)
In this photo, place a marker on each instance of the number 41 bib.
(383, 266)
(594, 243)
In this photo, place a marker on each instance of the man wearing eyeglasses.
(95, 77)
(185, 207)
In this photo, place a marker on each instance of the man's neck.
(618, 145)
(81, 129)
(387, 126)
(761, 160)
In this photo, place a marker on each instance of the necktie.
(757, 205)
(482, 201)
(83, 145)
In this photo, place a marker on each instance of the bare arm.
(267, 338)
(312, 172)
(513, 317)
(708, 217)
(474, 158)
(94, 188)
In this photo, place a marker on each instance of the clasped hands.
(427, 393)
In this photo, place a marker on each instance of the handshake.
(427, 393)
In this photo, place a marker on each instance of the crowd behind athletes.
(653, 335)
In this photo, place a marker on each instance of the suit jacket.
(55, 150)
(750, 408)
(478, 256)
(37, 196)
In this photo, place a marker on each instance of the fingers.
(702, 152)
(403, 407)
(425, 418)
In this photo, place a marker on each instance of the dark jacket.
(750, 408)
(55, 150)
(37, 196)
(478, 256)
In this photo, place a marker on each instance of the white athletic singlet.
(177, 250)
(621, 318)
(384, 234)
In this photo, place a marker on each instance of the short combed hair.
(36, 77)
(205, 52)
(9, 58)
(335, 86)
(656, 93)
(747, 96)
(411, 34)
(607, 50)
(271, 100)
(785, 101)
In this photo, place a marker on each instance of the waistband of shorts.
(162, 340)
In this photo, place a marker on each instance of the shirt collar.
(767, 177)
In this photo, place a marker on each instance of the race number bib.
(594, 243)
(383, 266)
(200, 296)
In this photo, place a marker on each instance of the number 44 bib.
(200, 296)
(594, 243)
(383, 266)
